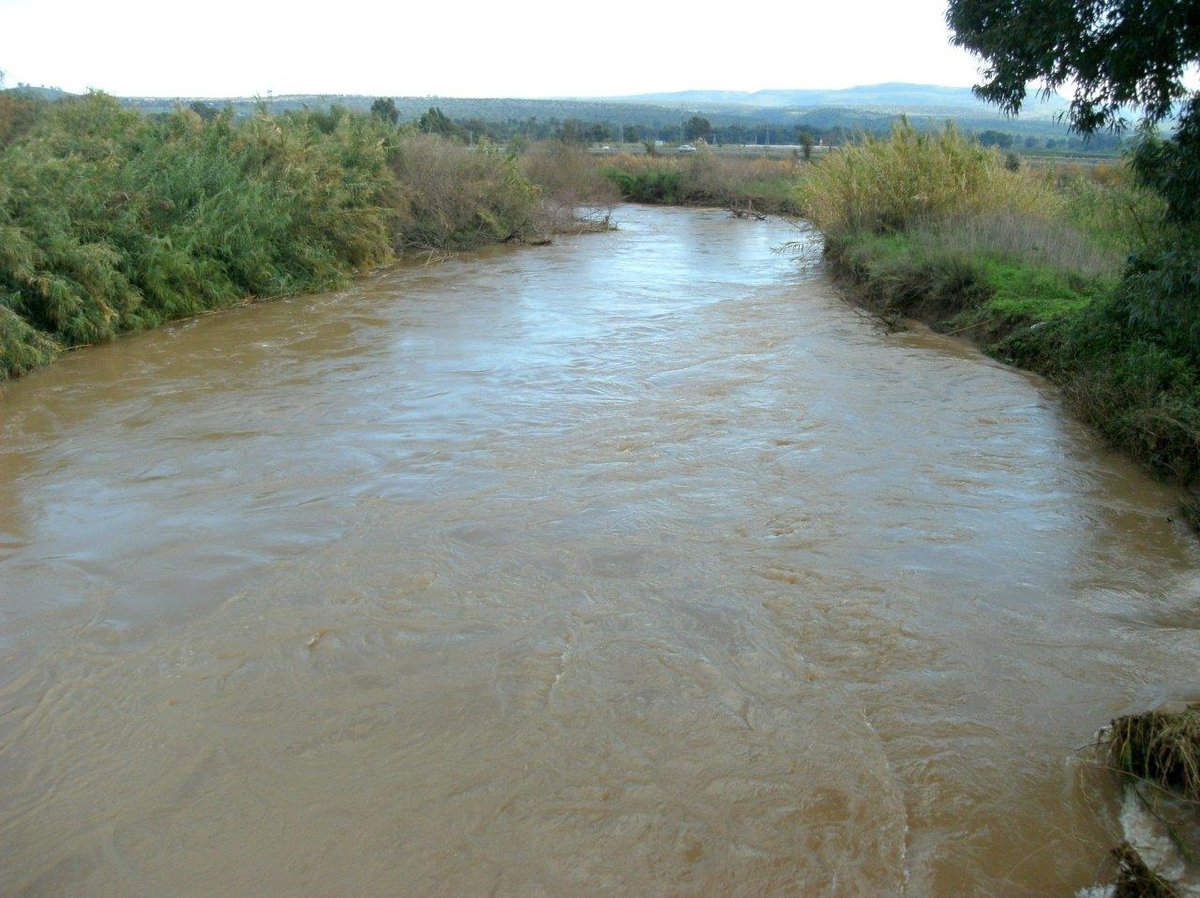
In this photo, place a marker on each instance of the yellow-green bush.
(889, 184)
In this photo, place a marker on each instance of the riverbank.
(748, 184)
(112, 222)
(1076, 279)
(1083, 280)
(641, 510)
(1136, 392)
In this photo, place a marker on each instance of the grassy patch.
(1035, 293)
(912, 275)
(1160, 746)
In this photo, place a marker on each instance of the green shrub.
(110, 222)
(652, 185)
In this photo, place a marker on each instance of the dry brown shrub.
(575, 195)
(449, 194)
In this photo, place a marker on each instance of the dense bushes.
(1130, 361)
(649, 185)
(890, 184)
(452, 195)
(706, 178)
(568, 175)
(112, 222)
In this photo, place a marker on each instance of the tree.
(1118, 55)
(385, 108)
(994, 138)
(573, 131)
(435, 122)
(697, 128)
(206, 111)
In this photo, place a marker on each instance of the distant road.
(777, 150)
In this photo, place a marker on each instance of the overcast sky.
(520, 48)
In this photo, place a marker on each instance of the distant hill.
(892, 97)
(49, 94)
(762, 116)
(867, 108)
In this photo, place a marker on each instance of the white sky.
(520, 48)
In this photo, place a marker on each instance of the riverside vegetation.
(112, 222)
(705, 178)
(1079, 274)
(1090, 277)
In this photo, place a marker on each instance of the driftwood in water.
(747, 213)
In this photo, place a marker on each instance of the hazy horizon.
(532, 51)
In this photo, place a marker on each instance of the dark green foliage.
(21, 346)
(1172, 167)
(1159, 296)
(1131, 361)
(655, 185)
(992, 138)
(434, 121)
(110, 222)
(698, 128)
(1116, 53)
(206, 111)
(385, 109)
(18, 112)
(1124, 381)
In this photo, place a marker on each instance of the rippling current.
(640, 564)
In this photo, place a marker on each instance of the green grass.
(1034, 293)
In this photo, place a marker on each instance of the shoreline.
(1014, 339)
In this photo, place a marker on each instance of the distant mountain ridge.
(892, 96)
(871, 108)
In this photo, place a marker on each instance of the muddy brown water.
(639, 564)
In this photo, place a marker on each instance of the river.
(638, 564)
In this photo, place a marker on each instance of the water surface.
(638, 564)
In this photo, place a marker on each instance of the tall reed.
(888, 184)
